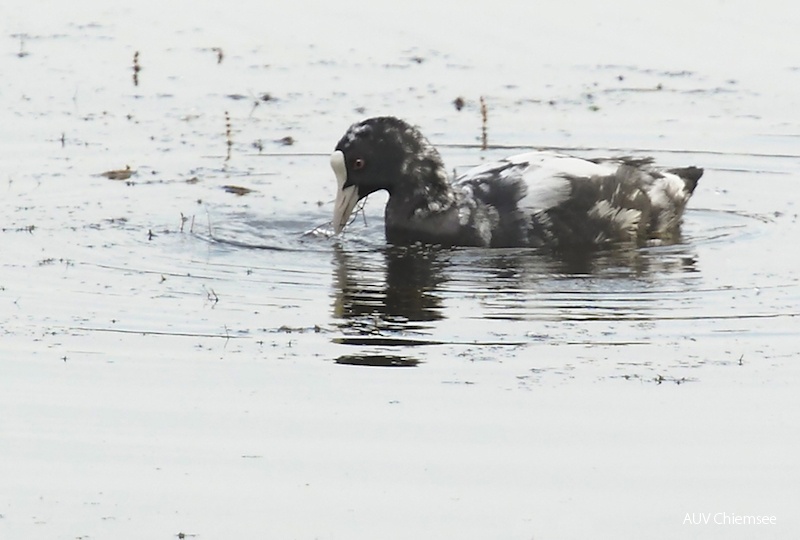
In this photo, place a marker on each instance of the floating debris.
(237, 190)
(286, 141)
(377, 360)
(459, 103)
(118, 174)
(27, 229)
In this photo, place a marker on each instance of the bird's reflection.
(392, 289)
(389, 299)
(608, 286)
(623, 263)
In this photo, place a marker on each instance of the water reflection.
(510, 267)
(389, 290)
(377, 360)
(390, 299)
(387, 298)
(612, 286)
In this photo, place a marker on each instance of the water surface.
(179, 357)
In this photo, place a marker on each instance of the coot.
(540, 199)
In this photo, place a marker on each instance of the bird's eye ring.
(358, 164)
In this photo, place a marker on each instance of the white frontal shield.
(346, 197)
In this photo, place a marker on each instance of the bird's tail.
(690, 176)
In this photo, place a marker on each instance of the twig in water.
(210, 229)
(220, 54)
(228, 138)
(22, 52)
(136, 68)
(484, 122)
(359, 210)
(213, 298)
(256, 103)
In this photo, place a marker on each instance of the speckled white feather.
(545, 175)
(667, 191)
(625, 219)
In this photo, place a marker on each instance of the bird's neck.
(424, 189)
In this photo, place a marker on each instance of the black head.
(379, 153)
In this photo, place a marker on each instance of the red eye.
(358, 164)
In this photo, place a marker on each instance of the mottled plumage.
(533, 199)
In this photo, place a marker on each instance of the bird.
(542, 199)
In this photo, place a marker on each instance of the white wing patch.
(546, 173)
(564, 164)
(545, 190)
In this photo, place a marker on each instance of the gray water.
(169, 267)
